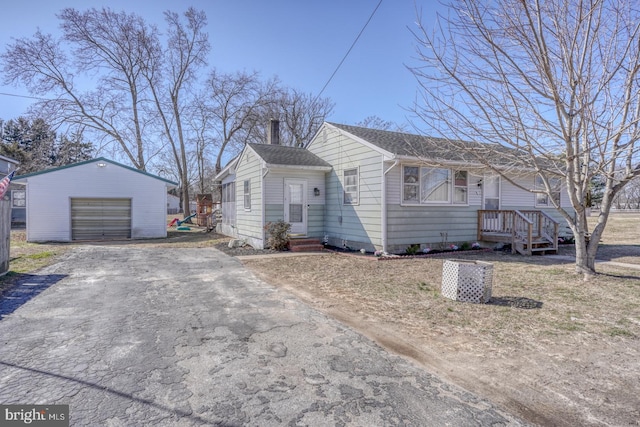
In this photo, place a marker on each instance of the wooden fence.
(5, 234)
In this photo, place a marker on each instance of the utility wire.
(24, 96)
(348, 51)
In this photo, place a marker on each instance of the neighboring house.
(16, 192)
(173, 204)
(97, 199)
(375, 190)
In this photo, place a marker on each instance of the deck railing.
(521, 228)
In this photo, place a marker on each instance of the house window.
(247, 194)
(542, 199)
(460, 187)
(18, 199)
(434, 185)
(350, 186)
(228, 192)
(427, 185)
(411, 186)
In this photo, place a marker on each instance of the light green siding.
(424, 224)
(274, 197)
(249, 221)
(315, 218)
(359, 223)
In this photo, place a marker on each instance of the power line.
(348, 51)
(24, 96)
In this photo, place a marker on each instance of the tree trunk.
(585, 256)
(585, 248)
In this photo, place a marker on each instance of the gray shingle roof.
(406, 144)
(287, 156)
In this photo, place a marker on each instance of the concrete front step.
(305, 245)
(307, 248)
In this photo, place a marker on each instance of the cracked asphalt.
(140, 336)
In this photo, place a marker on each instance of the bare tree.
(301, 115)
(376, 122)
(188, 45)
(555, 81)
(107, 47)
(236, 101)
(200, 125)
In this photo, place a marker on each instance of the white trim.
(344, 185)
(451, 187)
(541, 190)
(305, 200)
(245, 194)
(299, 167)
(484, 181)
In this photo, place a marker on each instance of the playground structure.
(179, 222)
(205, 214)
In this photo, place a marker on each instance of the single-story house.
(173, 204)
(378, 190)
(98, 199)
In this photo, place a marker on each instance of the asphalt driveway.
(136, 336)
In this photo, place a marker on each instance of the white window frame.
(464, 188)
(354, 192)
(450, 182)
(556, 194)
(246, 185)
(23, 199)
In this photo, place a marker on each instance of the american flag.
(4, 184)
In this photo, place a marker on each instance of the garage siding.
(49, 197)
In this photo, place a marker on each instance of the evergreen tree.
(34, 144)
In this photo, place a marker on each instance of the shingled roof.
(427, 147)
(281, 155)
(407, 144)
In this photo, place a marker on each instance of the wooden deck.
(528, 231)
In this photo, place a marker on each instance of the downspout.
(263, 203)
(383, 207)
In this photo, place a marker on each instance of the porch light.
(316, 191)
(480, 183)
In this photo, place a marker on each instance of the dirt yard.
(549, 347)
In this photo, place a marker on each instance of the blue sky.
(300, 41)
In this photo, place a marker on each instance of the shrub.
(413, 249)
(278, 235)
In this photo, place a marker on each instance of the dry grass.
(25, 256)
(407, 292)
(550, 346)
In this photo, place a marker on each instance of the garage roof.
(96, 160)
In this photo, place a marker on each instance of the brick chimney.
(273, 133)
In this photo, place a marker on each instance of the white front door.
(491, 201)
(491, 191)
(295, 205)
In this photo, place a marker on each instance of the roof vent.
(273, 134)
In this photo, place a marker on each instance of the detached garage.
(95, 200)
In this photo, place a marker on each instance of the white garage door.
(100, 219)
